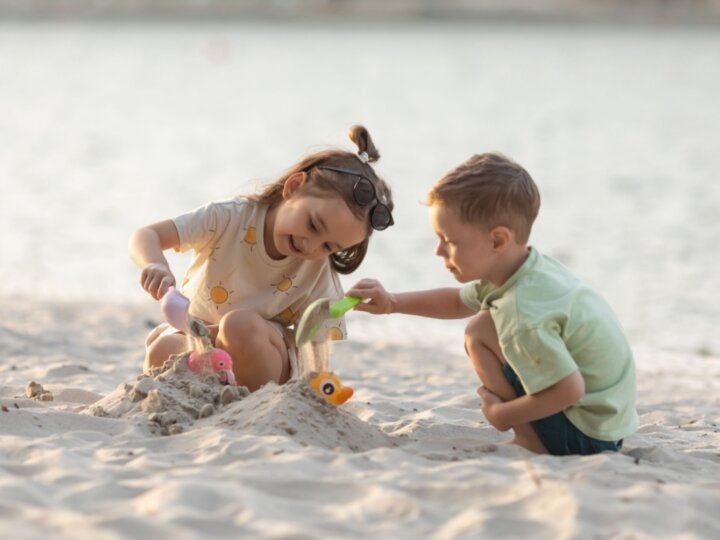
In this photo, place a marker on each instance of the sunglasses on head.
(364, 193)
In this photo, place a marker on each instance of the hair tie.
(363, 156)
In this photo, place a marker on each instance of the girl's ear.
(293, 183)
(501, 238)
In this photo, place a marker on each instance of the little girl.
(260, 260)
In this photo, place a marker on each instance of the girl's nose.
(310, 245)
(440, 249)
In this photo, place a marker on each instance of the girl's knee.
(162, 348)
(255, 347)
(240, 326)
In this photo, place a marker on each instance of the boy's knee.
(479, 330)
(479, 323)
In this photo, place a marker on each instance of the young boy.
(554, 363)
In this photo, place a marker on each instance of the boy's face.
(467, 250)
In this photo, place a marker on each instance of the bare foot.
(530, 443)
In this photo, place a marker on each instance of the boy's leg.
(483, 348)
(259, 352)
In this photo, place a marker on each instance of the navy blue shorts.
(557, 433)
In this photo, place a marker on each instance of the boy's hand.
(381, 302)
(490, 404)
(156, 278)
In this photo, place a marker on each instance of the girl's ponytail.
(361, 137)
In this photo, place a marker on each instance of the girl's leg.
(483, 348)
(162, 347)
(259, 352)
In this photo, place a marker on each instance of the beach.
(619, 128)
(409, 456)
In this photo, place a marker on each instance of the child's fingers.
(365, 295)
(375, 298)
(363, 292)
(165, 284)
(147, 284)
(376, 306)
(155, 286)
(367, 307)
(366, 284)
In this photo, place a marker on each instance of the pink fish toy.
(204, 358)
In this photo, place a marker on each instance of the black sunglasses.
(364, 193)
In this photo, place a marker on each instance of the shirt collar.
(512, 280)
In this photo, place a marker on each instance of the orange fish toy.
(329, 387)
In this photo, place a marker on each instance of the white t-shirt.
(231, 269)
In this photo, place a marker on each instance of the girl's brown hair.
(322, 182)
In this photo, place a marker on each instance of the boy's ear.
(293, 183)
(501, 238)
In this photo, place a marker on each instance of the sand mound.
(170, 398)
(295, 409)
(173, 398)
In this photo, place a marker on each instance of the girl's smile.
(310, 227)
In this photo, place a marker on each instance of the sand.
(409, 456)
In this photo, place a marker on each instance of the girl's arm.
(435, 303)
(146, 248)
(556, 398)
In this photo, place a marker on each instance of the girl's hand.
(156, 278)
(381, 302)
(490, 404)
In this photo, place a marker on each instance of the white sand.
(409, 456)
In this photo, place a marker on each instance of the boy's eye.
(327, 247)
(312, 226)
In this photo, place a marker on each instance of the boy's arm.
(556, 398)
(437, 303)
(146, 248)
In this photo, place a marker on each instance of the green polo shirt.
(550, 324)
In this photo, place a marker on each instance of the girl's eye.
(312, 226)
(327, 248)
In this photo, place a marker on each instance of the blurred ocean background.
(107, 126)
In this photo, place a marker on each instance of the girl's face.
(310, 227)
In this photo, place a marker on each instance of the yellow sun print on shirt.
(250, 237)
(219, 295)
(288, 316)
(284, 285)
(333, 334)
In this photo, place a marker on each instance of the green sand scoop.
(320, 311)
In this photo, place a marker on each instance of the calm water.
(105, 128)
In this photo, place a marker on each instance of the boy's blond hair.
(490, 190)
